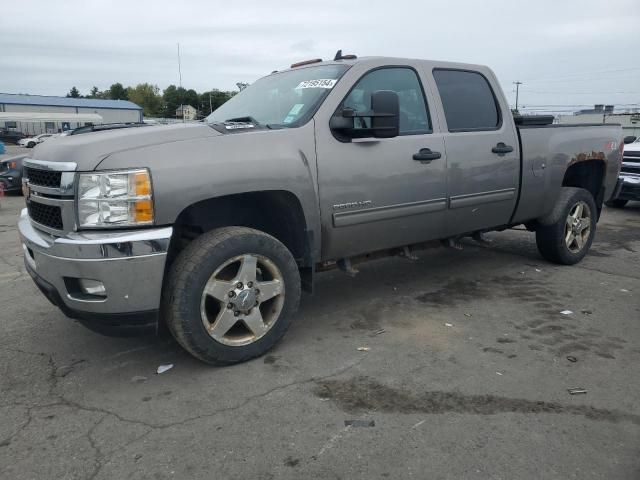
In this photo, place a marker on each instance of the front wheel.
(617, 203)
(231, 295)
(31, 144)
(568, 239)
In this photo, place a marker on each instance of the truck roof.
(375, 61)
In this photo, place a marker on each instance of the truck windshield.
(286, 99)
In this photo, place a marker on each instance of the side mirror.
(382, 121)
(385, 121)
(629, 139)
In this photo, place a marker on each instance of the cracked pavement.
(466, 376)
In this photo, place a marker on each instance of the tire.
(215, 327)
(31, 144)
(568, 238)
(617, 203)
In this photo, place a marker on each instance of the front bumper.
(130, 264)
(628, 187)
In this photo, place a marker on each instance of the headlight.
(115, 199)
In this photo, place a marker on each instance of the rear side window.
(468, 100)
(414, 119)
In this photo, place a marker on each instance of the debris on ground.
(448, 325)
(139, 379)
(576, 391)
(498, 373)
(380, 331)
(418, 424)
(538, 270)
(572, 359)
(164, 368)
(566, 312)
(587, 312)
(624, 290)
(359, 423)
(467, 314)
(364, 349)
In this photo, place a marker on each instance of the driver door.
(379, 193)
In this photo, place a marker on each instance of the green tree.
(117, 92)
(95, 93)
(211, 100)
(73, 93)
(148, 97)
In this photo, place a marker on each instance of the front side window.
(468, 100)
(281, 100)
(414, 119)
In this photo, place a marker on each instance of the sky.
(569, 54)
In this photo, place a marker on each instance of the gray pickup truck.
(214, 229)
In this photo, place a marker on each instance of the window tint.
(414, 118)
(467, 99)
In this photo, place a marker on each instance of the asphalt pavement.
(453, 366)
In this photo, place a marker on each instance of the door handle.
(426, 155)
(502, 148)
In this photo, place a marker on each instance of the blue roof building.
(69, 110)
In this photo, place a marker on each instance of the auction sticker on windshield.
(318, 83)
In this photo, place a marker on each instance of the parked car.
(318, 166)
(629, 182)
(2, 149)
(10, 136)
(11, 173)
(31, 142)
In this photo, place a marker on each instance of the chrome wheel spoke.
(255, 322)
(269, 289)
(569, 238)
(578, 211)
(579, 241)
(248, 269)
(223, 323)
(569, 222)
(218, 289)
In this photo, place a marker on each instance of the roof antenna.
(339, 56)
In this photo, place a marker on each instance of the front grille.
(46, 215)
(631, 167)
(43, 178)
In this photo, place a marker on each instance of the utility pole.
(180, 82)
(210, 105)
(517, 84)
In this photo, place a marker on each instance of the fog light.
(92, 287)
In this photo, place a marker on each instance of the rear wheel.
(31, 144)
(231, 295)
(616, 203)
(568, 239)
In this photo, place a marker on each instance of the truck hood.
(87, 150)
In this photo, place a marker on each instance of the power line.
(582, 93)
(592, 72)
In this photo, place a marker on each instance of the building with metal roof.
(35, 114)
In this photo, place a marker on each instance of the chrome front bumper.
(130, 264)
(630, 187)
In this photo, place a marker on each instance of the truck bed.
(546, 151)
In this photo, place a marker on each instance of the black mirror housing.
(629, 139)
(385, 121)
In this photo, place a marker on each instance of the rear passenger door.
(482, 150)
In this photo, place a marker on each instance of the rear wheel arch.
(588, 175)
